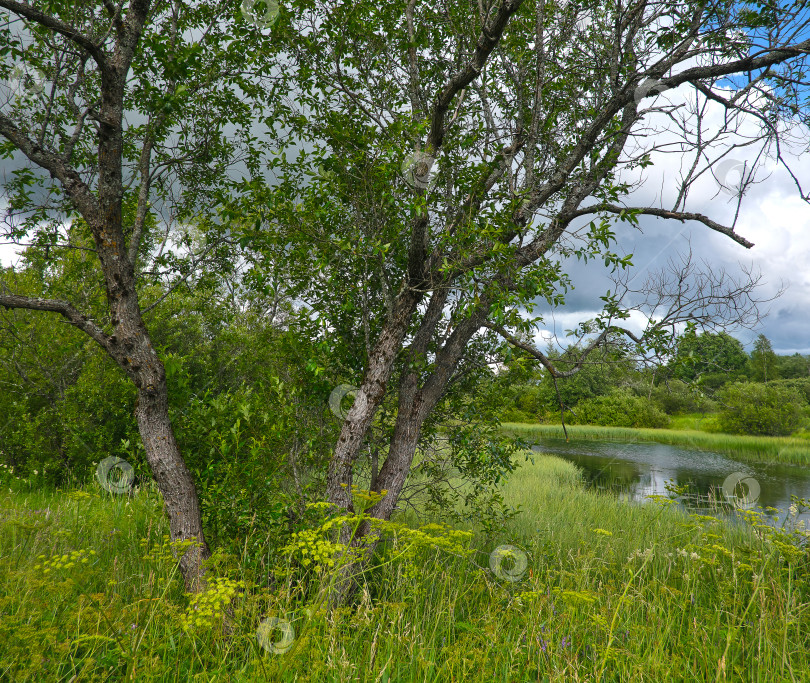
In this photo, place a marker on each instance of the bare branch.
(678, 294)
(74, 317)
(747, 64)
(58, 26)
(543, 358)
(663, 213)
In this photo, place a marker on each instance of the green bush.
(513, 414)
(598, 377)
(802, 385)
(528, 399)
(620, 408)
(760, 409)
(676, 398)
(240, 446)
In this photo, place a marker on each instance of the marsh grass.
(610, 592)
(783, 449)
(696, 422)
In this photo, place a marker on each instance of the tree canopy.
(416, 175)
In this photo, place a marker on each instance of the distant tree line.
(708, 374)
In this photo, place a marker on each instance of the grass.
(753, 448)
(697, 422)
(610, 592)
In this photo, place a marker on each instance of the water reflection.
(637, 470)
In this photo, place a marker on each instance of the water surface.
(637, 470)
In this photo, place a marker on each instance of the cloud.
(773, 216)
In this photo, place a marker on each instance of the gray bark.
(129, 344)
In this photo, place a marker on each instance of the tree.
(760, 409)
(448, 157)
(595, 377)
(114, 117)
(793, 367)
(711, 359)
(763, 361)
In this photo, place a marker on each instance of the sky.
(773, 216)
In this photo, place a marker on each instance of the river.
(637, 470)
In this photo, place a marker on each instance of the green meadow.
(578, 587)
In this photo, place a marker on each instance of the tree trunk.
(415, 404)
(129, 344)
(367, 400)
(172, 476)
(391, 478)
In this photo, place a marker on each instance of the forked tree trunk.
(367, 400)
(363, 542)
(415, 405)
(423, 269)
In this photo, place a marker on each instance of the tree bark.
(129, 345)
(172, 476)
(415, 405)
(132, 350)
(367, 400)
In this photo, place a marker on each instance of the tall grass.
(697, 422)
(610, 592)
(755, 448)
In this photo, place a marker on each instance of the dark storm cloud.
(787, 319)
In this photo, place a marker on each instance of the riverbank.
(780, 449)
(592, 589)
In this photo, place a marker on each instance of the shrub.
(676, 398)
(802, 385)
(237, 446)
(512, 414)
(620, 408)
(528, 399)
(760, 409)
